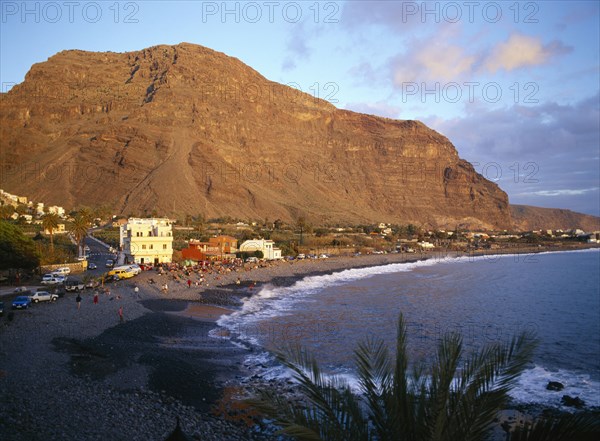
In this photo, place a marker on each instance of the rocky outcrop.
(527, 218)
(555, 386)
(184, 129)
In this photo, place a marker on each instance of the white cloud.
(522, 51)
(434, 58)
(564, 192)
(539, 153)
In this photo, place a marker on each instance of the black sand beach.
(74, 374)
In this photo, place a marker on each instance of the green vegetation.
(450, 400)
(245, 254)
(17, 251)
(6, 211)
(62, 250)
(108, 235)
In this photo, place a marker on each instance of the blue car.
(21, 302)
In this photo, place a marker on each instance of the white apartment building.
(270, 252)
(59, 211)
(148, 241)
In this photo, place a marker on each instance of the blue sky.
(514, 85)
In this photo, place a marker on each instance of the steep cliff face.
(184, 129)
(528, 218)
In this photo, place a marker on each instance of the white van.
(63, 271)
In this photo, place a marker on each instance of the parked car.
(92, 266)
(44, 296)
(121, 273)
(135, 268)
(21, 302)
(63, 271)
(1, 308)
(300, 256)
(74, 285)
(252, 259)
(59, 290)
(52, 279)
(20, 289)
(110, 263)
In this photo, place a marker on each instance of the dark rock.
(555, 385)
(572, 401)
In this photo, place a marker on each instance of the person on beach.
(121, 318)
(78, 300)
(189, 282)
(95, 297)
(136, 290)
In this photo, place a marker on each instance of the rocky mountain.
(184, 129)
(527, 218)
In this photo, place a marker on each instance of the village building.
(60, 229)
(270, 252)
(217, 248)
(59, 211)
(148, 241)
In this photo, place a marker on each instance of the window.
(151, 247)
(164, 246)
(143, 247)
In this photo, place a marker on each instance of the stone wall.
(77, 267)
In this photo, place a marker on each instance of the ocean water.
(486, 299)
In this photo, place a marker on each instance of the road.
(99, 254)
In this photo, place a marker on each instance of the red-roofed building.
(217, 248)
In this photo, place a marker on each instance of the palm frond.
(331, 410)
(567, 427)
(454, 401)
(483, 386)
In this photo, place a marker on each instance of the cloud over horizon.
(546, 154)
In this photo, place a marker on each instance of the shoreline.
(81, 374)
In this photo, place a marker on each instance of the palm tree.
(49, 224)
(449, 403)
(79, 228)
(86, 213)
